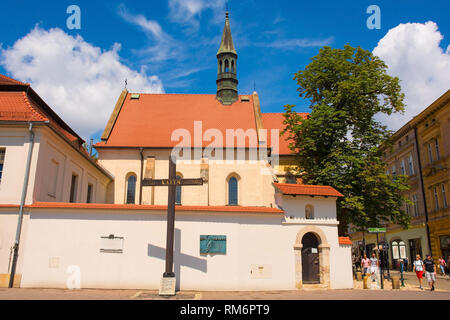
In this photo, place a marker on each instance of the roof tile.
(311, 190)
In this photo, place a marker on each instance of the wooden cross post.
(168, 281)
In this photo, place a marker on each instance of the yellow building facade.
(433, 132)
(420, 150)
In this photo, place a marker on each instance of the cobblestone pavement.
(306, 294)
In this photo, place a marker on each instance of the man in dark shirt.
(430, 271)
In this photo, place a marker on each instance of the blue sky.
(170, 46)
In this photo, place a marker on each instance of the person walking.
(374, 267)
(430, 271)
(442, 265)
(418, 269)
(365, 263)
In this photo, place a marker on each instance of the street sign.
(375, 230)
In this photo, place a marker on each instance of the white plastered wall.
(59, 238)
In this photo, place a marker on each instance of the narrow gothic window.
(227, 66)
(131, 189)
(232, 66)
(233, 191)
(220, 67)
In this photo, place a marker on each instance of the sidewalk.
(406, 293)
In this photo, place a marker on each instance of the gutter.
(141, 150)
(423, 191)
(22, 203)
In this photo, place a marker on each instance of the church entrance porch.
(312, 258)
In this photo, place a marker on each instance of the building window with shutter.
(403, 167)
(416, 209)
(411, 165)
(436, 199)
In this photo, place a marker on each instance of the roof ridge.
(33, 110)
(14, 80)
(305, 185)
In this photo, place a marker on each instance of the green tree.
(338, 144)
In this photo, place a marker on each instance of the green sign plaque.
(374, 230)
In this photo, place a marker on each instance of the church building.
(251, 224)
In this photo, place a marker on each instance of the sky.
(170, 46)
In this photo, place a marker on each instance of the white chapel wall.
(253, 240)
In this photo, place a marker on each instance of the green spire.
(227, 82)
(226, 45)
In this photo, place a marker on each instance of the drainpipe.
(423, 191)
(141, 150)
(22, 203)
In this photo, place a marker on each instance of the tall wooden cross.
(168, 281)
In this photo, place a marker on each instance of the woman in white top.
(418, 268)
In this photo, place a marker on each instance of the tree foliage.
(339, 142)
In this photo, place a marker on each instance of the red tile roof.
(275, 121)
(17, 106)
(20, 103)
(303, 189)
(150, 120)
(345, 240)
(4, 80)
(59, 205)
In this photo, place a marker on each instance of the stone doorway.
(323, 254)
(310, 259)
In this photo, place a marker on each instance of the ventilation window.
(135, 96)
(245, 98)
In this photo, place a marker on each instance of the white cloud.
(413, 54)
(187, 12)
(163, 46)
(79, 81)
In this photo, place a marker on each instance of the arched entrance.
(310, 238)
(310, 259)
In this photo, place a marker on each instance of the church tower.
(227, 82)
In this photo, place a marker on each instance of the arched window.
(309, 212)
(232, 66)
(220, 66)
(178, 191)
(131, 189)
(227, 66)
(233, 191)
